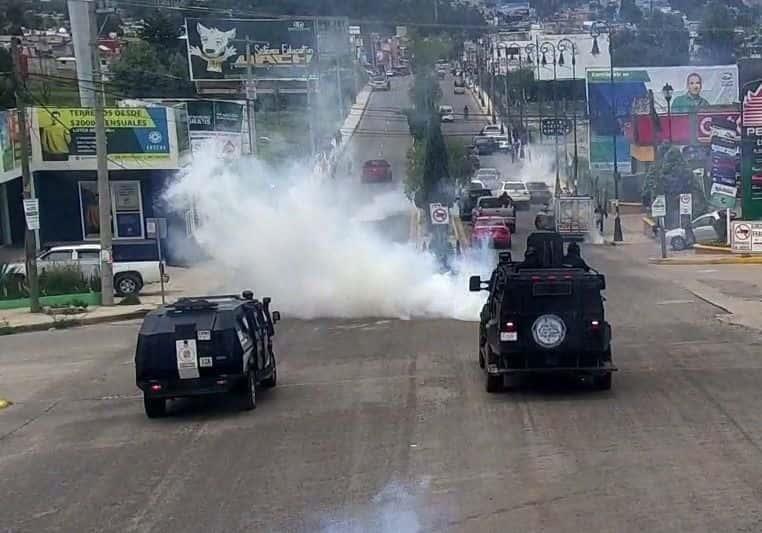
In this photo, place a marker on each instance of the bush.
(11, 283)
(67, 279)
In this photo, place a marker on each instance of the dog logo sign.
(215, 47)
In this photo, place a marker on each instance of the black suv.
(543, 318)
(206, 345)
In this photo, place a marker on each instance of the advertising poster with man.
(695, 90)
(68, 134)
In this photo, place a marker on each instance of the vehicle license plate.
(205, 362)
(508, 336)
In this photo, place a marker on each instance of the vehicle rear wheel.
(494, 383)
(249, 392)
(127, 284)
(603, 382)
(678, 243)
(270, 382)
(155, 407)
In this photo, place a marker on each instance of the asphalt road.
(383, 133)
(384, 425)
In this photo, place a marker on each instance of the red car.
(376, 170)
(494, 230)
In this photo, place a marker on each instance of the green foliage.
(630, 12)
(130, 299)
(142, 71)
(11, 284)
(717, 33)
(671, 175)
(161, 31)
(427, 50)
(66, 279)
(660, 40)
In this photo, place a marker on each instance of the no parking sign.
(439, 214)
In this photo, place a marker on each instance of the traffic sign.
(551, 127)
(686, 204)
(659, 207)
(746, 237)
(439, 214)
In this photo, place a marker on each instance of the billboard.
(137, 137)
(611, 106)
(751, 149)
(217, 123)
(280, 48)
(10, 146)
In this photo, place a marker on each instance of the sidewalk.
(183, 282)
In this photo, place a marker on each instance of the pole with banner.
(659, 211)
(686, 208)
(27, 181)
(156, 228)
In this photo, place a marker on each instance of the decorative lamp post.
(568, 45)
(545, 48)
(596, 30)
(667, 91)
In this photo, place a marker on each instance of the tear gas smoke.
(289, 234)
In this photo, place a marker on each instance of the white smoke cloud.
(289, 234)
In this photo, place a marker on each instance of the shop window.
(126, 209)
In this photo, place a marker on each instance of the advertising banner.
(724, 158)
(216, 126)
(136, 138)
(696, 90)
(281, 48)
(751, 150)
(10, 147)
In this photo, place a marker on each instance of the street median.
(702, 259)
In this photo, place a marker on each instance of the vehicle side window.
(60, 255)
(704, 221)
(88, 255)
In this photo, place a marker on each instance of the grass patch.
(130, 299)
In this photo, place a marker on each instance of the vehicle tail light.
(155, 387)
(595, 324)
(222, 381)
(509, 326)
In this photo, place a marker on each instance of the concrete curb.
(707, 249)
(76, 322)
(707, 260)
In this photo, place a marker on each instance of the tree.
(7, 98)
(630, 12)
(646, 46)
(141, 72)
(717, 33)
(161, 31)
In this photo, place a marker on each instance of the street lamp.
(533, 49)
(568, 45)
(545, 48)
(597, 29)
(667, 92)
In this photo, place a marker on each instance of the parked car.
(485, 145)
(459, 89)
(518, 192)
(380, 83)
(539, 192)
(470, 198)
(704, 230)
(491, 130)
(503, 143)
(401, 70)
(376, 170)
(491, 206)
(493, 230)
(489, 176)
(446, 113)
(135, 264)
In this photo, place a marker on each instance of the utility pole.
(310, 120)
(104, 187)
(436, 11)
(250, 113)
(340, 95)
(30, 247)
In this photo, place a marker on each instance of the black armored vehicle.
(544, 316)
(206, 345)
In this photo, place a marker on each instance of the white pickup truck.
(134, 265)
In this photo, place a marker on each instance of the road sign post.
(156, 228)
(440, 214)
(659, 211)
